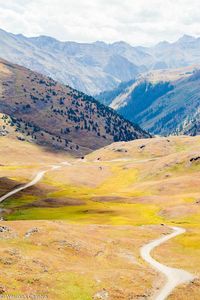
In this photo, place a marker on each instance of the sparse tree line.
(78, 112)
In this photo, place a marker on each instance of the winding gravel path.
(35, 180)
(174, 277)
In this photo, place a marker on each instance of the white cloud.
(134, 21)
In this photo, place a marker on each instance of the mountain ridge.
(94, 67)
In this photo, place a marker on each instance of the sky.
(138, 22)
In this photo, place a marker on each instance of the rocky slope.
(52, 114)
(191, 125)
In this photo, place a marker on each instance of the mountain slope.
(191, 125)
(161, 102)
(107, 97)
(168, 113)
(53, 114)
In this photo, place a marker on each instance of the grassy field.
(119, 195)
(75, 262)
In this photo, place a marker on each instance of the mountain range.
(96, 67)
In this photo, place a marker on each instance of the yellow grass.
(124, 201)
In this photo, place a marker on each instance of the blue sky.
(138, 22)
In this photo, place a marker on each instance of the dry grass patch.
(62, 260)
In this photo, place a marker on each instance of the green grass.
(182, 168)
(17, 202)
(74, 286)
(118, 184)
(192, 219)
(94, 213)
(119, 180)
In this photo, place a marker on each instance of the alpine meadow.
(100, 150)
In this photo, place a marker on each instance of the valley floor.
(78, 232)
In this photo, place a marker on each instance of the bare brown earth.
(52, 202)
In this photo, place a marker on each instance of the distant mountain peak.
(100, 44)
(162, 45)
(44, 39)
(121, 44)
(186, 39)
